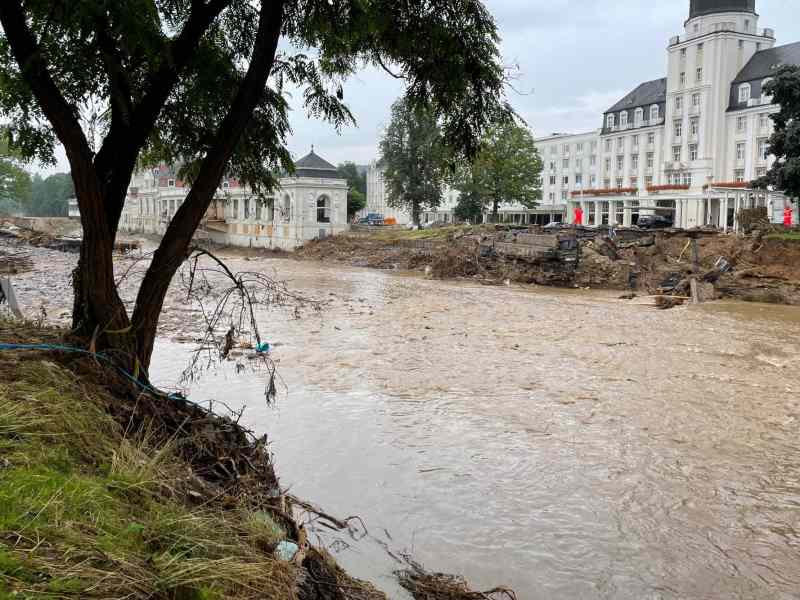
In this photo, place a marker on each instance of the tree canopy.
(506, 170)
(785, 141)
(15, 182)
(208, 82)
(357, 187)
(49, 195)
(415, 159)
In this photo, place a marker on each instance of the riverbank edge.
(111, 492)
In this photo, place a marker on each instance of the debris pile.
(440, 586)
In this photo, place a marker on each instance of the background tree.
(415, 159)
(785, 141)
(506, 170)
(15, 182)
(357, 187)
(206, 82)
(49, 195)
(469, 207)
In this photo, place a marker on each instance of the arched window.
(323, 209)
(744, 93)
(610, 121)
(766, 96)
(638, 116)
(623, 118)
(286, 209)
(654, 113)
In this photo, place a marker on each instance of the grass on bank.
(86, 512)
(788, 236)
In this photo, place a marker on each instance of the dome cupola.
(700, 8)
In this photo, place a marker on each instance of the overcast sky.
(576, 57)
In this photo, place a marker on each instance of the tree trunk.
(415, 210)
(495, 208)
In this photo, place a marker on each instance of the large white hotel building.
(686, 146)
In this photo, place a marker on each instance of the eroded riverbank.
(565, 443)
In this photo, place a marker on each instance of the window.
(697, 28)
(592, 180)
(565, 162)
(694, 127)
(565, 180)
(651, 160)
(683, 52)
(758, 46)
(563, 195)
(761, 172)
(552, 179)
(635, 141)
(635, 162)
(552, 197)
(323, 209)
(648, 181)
(565, 148)
(579, 163)
(634, 182)
(608, 164)
(744, 93)
(654, 114)
(741, 123)
(608, 145)
(678, 128)
(623, 119)
(171, 182)
(651, 138)
(607, 184)
(763, 122)
(620, 143)
(620, 163)
(738, 175)
(763, 149)
(700, 48)
(620, 182)
(676, 153)
(578, 179)
(699, 74)
(287, 209)
(740, 150)
(683, 78)
(695, 99)
(247, 208)
(766, 96)
(687, 179)
(226, 185)
(692, 151)
(235, 208)
(741, 44)
(579, 148)
(593, 160)
(747, 24)
(678, 103)
(638, 116)
(552, 165)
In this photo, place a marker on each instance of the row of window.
(763, 150)
(741, 123)
(745, 91)
(698, 76)
(638, 117)
(565, 148)
(694, 128)
(696, 100)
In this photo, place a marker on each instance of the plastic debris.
(286, 550)
(263, 347)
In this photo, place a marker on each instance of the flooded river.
(567, 444)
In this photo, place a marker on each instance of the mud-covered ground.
(762, 270)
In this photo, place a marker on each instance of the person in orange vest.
(578, 216)
(787, 217)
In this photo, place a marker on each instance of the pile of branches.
(441, 586)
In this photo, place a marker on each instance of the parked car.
(371, 219)
(653, 222)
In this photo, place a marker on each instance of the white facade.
(377, 198)
(311, 204)
(686, 146)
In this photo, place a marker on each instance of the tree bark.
(176, 243)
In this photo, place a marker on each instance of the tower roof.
(699, 8)
(313, 165)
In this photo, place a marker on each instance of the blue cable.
(61, 348)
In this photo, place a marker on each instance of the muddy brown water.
(567, 444)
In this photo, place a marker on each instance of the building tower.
(720, 37)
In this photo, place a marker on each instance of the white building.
(688, 145)
(310, 204)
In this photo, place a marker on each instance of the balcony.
(694, 110)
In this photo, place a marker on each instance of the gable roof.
(313, 165)
(764, 63)
(647, 93)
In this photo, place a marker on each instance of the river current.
(564, 443)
